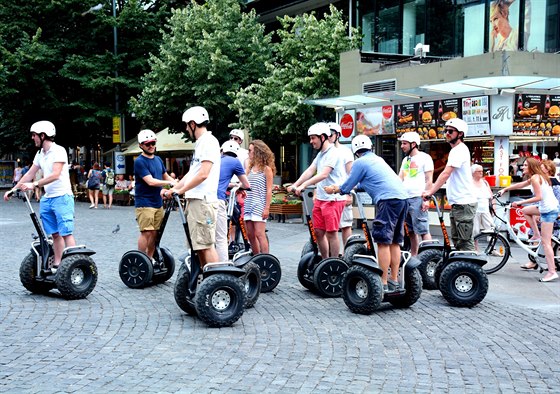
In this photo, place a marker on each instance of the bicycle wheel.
(496, 249)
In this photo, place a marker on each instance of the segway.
(137, 270)
(457, 274)
(76, 275)
(323, 276)
(268, 265)
(362, 285)
(216, 294)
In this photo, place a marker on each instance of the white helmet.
(43, 126)
(230, 146)
(237, 133)
(319, 129)
(361, 142)
(197, 114)
(335, 128)
(411, 136)
(146, 136)
(459, 124)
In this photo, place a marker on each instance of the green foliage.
(305, 65)
(211, 51)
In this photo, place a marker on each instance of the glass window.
(473, 30)
(414, 25)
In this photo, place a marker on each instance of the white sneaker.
(91, 206)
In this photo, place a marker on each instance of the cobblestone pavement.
(122, 340)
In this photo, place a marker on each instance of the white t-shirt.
(330, 158)
(206, 148)
(347, 155)
(414, 170)
(45, 161)
(243, 156)
(460, 188)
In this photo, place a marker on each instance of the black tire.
(219, 300)
(136, 269)
(181, 291)
(496, 249)
(166, 268)
(463, 284)
(556, 249)
(76, 276)
(27, 274)
(252, 282)
(354, 249)
(271, 271)
(308, 247)
(304, 274)
(413, 286)
(362, 290)
(328, 277)
(430, 259)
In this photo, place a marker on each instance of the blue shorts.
(416, 219)
(549, 217)
(57, 214)
(388, 225)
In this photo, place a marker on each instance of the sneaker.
(385, 288)
(91, 206)
(54, 269)
(393, 285)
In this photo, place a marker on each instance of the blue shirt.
(229, 167)
(376, 178)
(146, 196)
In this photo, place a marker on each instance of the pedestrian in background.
(108, 176)
(482, 218)
(94, 184)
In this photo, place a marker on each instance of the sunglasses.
(234, 138)
(151, 143)
(450, 131)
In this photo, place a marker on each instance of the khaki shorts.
(149, 218)
(201, 217)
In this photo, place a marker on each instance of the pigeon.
(116, 229)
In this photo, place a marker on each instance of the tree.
(305, 65)
(58, 64)
(211, 51)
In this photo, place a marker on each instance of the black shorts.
(388, 226)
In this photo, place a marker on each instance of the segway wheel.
(136, 269)
(328, 277)
(413, 287)
(181, 291)
(463, 284)
(271, 272)
(28, 273)
(362, 290)
(352, 250)
(304, 274)
(219, 300)
(76, 276)
(308, 247)
(166, 267)
(252, 281)
(430, 259)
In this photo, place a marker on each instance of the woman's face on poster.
(498, 21)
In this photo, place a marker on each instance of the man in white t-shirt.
(460, 190)
(416, 172)
(323, 171)
(200, 186)
(57, 206)
(347, 159)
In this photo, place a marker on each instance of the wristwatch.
(36, 183)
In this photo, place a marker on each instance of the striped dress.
(256, 197)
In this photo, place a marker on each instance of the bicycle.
(497, 248)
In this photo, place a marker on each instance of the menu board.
(374, 121)
(537, 115)
(475, 110)
(406, 118)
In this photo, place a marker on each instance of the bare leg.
(104, 201)
(260, 234)
(59, 243)
(531, 213)
(334, 243)
(322, 243)
(146, 242)
(395, 261)
(384, 259)
(207, 256)
(546, 234)
(251, 233)
(346, 233)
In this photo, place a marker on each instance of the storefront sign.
(501, 118)
(375, 121)
(476, 114)
(501, 156)
(120, 167)
(347, 126)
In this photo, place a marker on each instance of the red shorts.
(326, 214)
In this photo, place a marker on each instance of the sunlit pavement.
(124, 340)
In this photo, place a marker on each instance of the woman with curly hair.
(260, 172)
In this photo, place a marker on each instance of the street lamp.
(118, 120)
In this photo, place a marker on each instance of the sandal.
(529, 267)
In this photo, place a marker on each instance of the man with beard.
(416, 172)
(57, 205)
(151, 176)
(459, 190)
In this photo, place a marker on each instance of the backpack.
(94, 180)
(110, 178)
